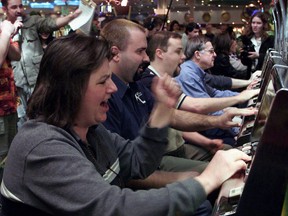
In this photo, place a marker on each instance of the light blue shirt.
(192, 82)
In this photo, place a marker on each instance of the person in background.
(26, 70)
(222, 45)
(234, 60)
(9, 50)
(209, 32)
(192, 29)
(223, 28)
(174, 26)
(230, 31)
(188, 18)
(256, 41)
(64, 162)
(46, 38)
(153, 24)
(32, 13)
(95, 25)
(105, 20)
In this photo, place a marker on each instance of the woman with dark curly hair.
(174, 26)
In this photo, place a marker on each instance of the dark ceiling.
(229, 2)
(146, 7)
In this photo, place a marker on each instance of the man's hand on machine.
(225, 120)
(247, 95)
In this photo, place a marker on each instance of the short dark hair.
(160, 40)
(4, 3)
(222, 43)
(191, 26)
(63, 77)
(194, 44)
(174, 22)
(152, 21)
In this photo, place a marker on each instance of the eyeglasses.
(211, 51)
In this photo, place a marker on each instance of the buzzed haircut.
(117, 32)
(4, 3)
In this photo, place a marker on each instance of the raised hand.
(17, 25)
(166, 90)
(253, 55)
(166, 93)
(7, 27)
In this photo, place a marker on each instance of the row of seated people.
(134, 103)
(65, 161)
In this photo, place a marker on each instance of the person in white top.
(258, 38)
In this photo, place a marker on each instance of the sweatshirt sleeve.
(140, 157)
(54, 176)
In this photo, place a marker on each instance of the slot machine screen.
(265, 191)
(263, 112)
(271, 62)
(277, 79)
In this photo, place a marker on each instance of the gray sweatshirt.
(46, 168)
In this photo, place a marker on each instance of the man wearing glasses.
(200, 56)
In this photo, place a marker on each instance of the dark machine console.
(261, 189)
(247, 130)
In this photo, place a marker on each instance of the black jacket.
(265, 45)
(222, 66)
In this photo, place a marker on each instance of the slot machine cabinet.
(248, 122)
(262, 188)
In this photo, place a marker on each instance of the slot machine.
(262, 188)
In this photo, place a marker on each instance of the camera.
(245, 53)
(246, 49)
